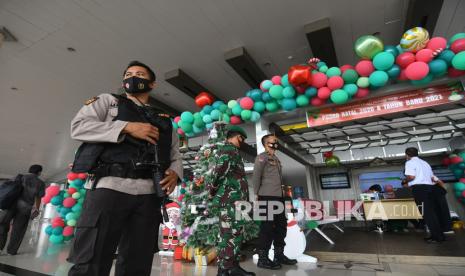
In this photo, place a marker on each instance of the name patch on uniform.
(89, 101)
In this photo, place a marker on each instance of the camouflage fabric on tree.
(219, 182)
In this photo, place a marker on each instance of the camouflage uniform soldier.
(227, 184)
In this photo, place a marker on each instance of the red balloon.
(235, 120)
(315, 101)
(58, 222)
(52, 190)
(436, 43)
(177, 119)
(417, 70)
(180, 131)
(402, 75)
(203, 99)
(364, 68)
(324, 93)
(300, 74)
(346, 67)
(246, 103)
(301, 89)
(69, 202)
(68, 231)
(452, 72)
(425, 55)
(446, 161)
(404, 59)
(456, 159)
(71, 191)
(362, 93)
(46, 199)
(72, 176)
(335, 82)
(82, 176)
(319, 79)
(458, 45)
(462, 180)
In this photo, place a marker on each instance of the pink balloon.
(364, 68)
(362, 93)
(52, 190)
(82, 176)
(177, 119)
(404, 59)
(436, 43)
(452, 72)
(58, 222)
(246, 103)
(68, 231)
(46, 199)
(417, 70)
(425, 55)
(346, 67)
(235, 120)
(458, 45)
(72, 176)
(324, 93)
(300, 89)
(276, 80)
(335, 82)
(69, 202)
(180, 131)
(315, 101)
(319, 79)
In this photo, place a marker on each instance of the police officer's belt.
(123, 171)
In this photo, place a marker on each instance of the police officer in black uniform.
(125, 141)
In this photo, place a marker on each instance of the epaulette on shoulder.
(91, 100)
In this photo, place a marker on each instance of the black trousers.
(442, 208)
(20, 216)
(423, 194)
(112, 220)
(273, 230)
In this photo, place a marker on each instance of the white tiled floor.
(37, 255)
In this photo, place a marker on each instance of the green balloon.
(394, 71)
(76, 195)
(351, 89)
(302, 100)
(187, 117)
(71, 222)
(332, 161)
(186, 127)
(246, 115)
(215, 114)
(339, 96)
(272, 106)
(456, 36)
(285, 80)
(259, 107)
(333, 71)
(368, 46)
(459, 186)
(198, 122)
(438, 67)
(423, 81)
(378, 78)
(71, 216)
(232, 103)
(458, 62)
(66, 195)
(288, 92)
(391, 49)
(350, 76)
(223, 108)
(236, 110)
(226, 118)
(276, 91)
(447, 56)
(56, 239)
(383, 61)
(323, 69)
(363, 82)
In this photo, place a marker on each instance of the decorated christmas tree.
(200, 213)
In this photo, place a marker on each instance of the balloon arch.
(418, 59)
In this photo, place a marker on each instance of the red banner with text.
(401, 102)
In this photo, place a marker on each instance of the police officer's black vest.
(132, 149)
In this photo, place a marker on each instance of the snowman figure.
(295, 239)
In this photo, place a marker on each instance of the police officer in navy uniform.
(122, 210)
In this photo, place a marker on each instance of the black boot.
(264, 262)
(222, 272)
(280, 258)
(239, 271)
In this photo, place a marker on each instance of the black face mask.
(274, 145)
(135, 85)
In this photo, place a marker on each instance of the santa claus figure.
(172, 227)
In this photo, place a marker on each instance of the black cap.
(152, 75)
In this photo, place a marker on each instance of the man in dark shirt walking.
(26, 207)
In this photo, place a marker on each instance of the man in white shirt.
(419, 175)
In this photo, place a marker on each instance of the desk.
(386, 209)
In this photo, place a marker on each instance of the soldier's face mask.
(135, 85)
